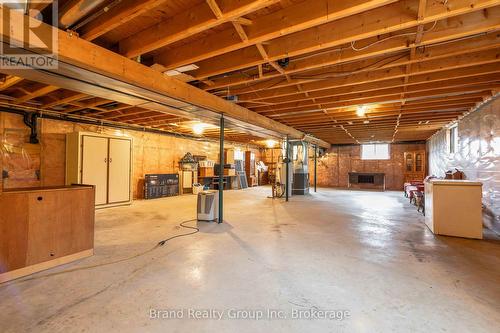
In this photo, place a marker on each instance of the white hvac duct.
(74, 10)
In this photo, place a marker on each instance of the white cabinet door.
(119, 170)
(95, 166)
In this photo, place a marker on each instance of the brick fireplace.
(367, 180)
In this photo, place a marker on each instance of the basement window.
(375, 151)
(453, 139)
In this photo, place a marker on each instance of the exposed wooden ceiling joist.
(78, 52)
(186, 24)
(388, 19)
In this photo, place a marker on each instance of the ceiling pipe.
(74, 10)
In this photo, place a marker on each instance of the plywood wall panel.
(53, 164)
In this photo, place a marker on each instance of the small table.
(213, 182)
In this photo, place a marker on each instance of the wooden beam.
(240, 30)
(10, 81)
(433, 78)
(71, 98)
(389, 88)
(344, 118)
(277, 67)
(81, 53)
(388, 47)
(289, 20)
(243, 21)
(348, 30)
(138, 111)
(117, 16)
(383, 100)
(214, 7)
(37, 93)
(421, 104)
(430, 89)
(464, 65)
(87, 104)
(186, 24)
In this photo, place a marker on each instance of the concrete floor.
(367, 253)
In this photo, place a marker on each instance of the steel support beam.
(221, 170)
(287, 166)
(315, 166)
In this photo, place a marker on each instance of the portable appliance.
(208, 206)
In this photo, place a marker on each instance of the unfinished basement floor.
(368, 253)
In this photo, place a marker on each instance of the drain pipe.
(30, 120)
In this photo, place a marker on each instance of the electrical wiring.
(158, 245)
(340, 73)
(390, 37)
(346, 73)
(317, 77)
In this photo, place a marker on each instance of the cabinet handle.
(110, 160)
(105, 160)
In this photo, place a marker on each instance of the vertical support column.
(221, 170)
(315, 166)
(287, 164)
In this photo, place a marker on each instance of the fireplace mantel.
(367, 180)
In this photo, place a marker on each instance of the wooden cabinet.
(250, 168)
(44, 227)
(414, 165)
(103, 161)
(454, 208)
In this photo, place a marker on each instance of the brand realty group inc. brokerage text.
(249, 314)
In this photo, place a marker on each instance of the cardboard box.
(229, 172)
(206, 172)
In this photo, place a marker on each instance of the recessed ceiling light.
(270, 143)
(361, 110)
(198, 128)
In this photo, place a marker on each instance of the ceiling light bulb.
(361, 111)
(198, 128)
(270, 143)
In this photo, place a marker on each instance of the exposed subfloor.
(367, 253)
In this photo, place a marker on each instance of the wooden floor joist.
(300, 67)
(81, 53)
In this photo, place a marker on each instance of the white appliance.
(104, 161)
(454, 208)
(208, 206)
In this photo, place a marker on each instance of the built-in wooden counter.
(44, 227)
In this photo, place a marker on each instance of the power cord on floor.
(159, 244)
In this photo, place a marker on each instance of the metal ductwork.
(75, 10)
(82, 80)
